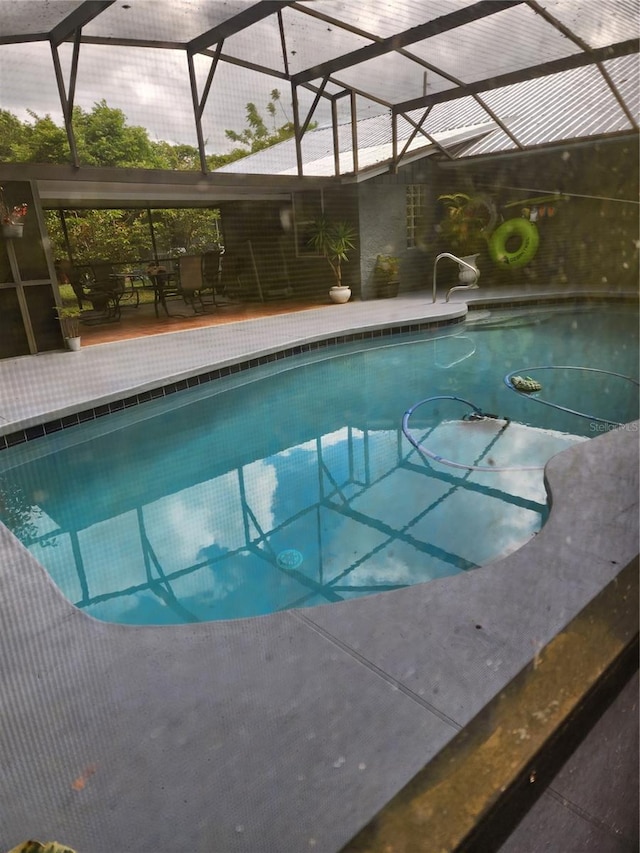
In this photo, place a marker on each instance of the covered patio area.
(142, 321)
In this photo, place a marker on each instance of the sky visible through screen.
(151, 86)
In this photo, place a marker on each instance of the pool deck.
(35, 389)
(50, 384)
(286, 732)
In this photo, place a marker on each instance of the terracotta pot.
(387, 289)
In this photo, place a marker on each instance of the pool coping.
(52, 386)
(229, 743)
(109, 406)
(50, 416)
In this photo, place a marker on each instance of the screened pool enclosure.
(371, 105)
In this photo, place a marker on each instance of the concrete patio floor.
(278, 733)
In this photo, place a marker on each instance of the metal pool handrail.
(462, 263)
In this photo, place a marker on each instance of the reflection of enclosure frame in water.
(476, 414)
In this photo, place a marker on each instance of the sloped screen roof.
(527, 72)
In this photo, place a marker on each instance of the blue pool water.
(295, 486)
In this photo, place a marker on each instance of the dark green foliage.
(124, 235)
(103, 138)
(334, 240)
(256, 136)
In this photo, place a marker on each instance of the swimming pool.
(293, 485)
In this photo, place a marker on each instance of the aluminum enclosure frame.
(325, 80)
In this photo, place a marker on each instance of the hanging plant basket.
(11, 231)
(12, 218)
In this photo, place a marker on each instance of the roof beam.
(85, 13)
(417, 128)
(207, 85)
(256, 12)
(66, 100)
(151, 177)
(315, 103)
(131, 42)
(347, 89)
(568, 33)
(199, 104)
(418, 60)
(415, 34)
(283, 44)
(251, 66)
(24, 38)
(566, 63)
(554, 145)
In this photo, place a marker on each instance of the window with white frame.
(416, 194)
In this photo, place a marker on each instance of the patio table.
(162, 282)
(127, 280)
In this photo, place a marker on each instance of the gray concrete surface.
(592, 804)
(281, 733)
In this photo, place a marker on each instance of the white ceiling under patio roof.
(525, 73)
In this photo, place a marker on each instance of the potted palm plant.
(333, 240)
(386, 276)
(69, 317)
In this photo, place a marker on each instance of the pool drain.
(289, 559)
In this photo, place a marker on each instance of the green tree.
(42, 142)
(271, 108)
(256, 136)
(104, 139)
(254, 133)
(191, 230)
(11, 135)
(125, 234)
(101, 234)
(181, 158)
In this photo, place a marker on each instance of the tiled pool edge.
(36, 431)
(528, 300)
(31, 428)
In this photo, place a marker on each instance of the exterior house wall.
(383, 226)
(590, 241)
(266, 249)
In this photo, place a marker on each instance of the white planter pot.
(73, 343)
(340, 294)
(467, 277)
(12, 232)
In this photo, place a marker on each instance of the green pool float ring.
(529, 239)
(526, 384)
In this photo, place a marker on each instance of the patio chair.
(104, 293)
(68, 274)
(211, 271)
(191, 280)
(231, 278)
